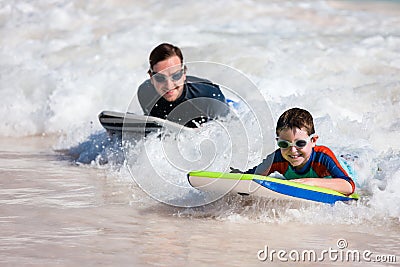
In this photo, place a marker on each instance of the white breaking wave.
(62, 62)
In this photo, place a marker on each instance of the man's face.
(168, 78)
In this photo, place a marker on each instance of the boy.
(300, 159)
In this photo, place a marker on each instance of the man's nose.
(170, 84)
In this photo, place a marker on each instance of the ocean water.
(69, 195)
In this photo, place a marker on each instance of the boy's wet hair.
(162, 52)
(295, 118)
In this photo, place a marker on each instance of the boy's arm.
(264, 168)
(330, 166)
(337, 184)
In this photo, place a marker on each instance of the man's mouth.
(168, 92)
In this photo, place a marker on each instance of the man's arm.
(147, 96)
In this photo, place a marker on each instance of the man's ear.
(149, 73)
(151, 80)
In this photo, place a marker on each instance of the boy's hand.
(233, 170)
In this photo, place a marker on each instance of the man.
(171, 94)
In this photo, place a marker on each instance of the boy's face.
(296, 156)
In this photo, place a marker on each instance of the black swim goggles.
(301, 143)
(161, 78)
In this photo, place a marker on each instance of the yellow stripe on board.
(242, 176)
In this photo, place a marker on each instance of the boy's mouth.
(296, 156)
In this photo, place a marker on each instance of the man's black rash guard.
(201, 100)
